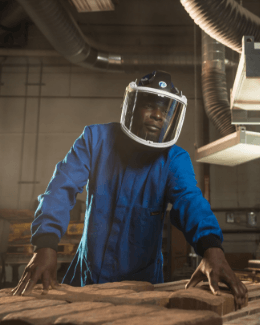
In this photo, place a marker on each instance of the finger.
(30, 284)
(46, 280)
(245, 291)
(238, 303)
(54, 282)
(196, 277)
(213, 284)
(25, 272)
(242, 297)
(239, 292)
(22, 283)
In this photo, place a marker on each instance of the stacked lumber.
(127, 302)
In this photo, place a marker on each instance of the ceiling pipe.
(214, 85)
(11, 16)
(225, 20)
(131, 61)
(62, 31)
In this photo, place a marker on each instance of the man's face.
(149, 119)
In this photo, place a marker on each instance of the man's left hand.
(215, 268)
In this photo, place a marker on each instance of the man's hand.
(215, 268)
(43, 265)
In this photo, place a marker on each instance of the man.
(132, 172)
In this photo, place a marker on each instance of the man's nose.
(157, 114)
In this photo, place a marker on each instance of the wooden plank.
(248, 320)
(171, 286)
(248, 276)
(198, 299)
(48, 315)
(135, 315)
(123, 293)
(27, 304)
(253, 295)
(252, 308)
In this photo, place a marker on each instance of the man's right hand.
(43, 265)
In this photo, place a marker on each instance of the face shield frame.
(134, 88)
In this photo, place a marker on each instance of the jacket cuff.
(46, 241)
(208, 241)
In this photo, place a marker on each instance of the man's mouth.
(152, 127)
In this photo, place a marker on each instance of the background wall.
(44, 109)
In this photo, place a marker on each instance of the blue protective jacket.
(128, 190)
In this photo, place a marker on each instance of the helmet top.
(159, 80)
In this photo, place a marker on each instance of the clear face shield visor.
(151, 116)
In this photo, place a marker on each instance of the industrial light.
(234, 149)
(93, 5)
(245, 96)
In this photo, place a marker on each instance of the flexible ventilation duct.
(93, 5)
(11, 16)
(214, 86)
(225, 20)
(62, 31)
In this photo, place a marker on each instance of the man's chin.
(150, 136)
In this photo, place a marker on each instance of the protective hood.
(152, 115)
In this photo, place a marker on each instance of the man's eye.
(164, 110)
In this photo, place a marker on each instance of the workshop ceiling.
(147, 26)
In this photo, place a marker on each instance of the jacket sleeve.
(70, 176)
(191, 212)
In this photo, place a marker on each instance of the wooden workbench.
(129, 302)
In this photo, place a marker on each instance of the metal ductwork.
(227, 22)
(240, 146)
(214, 86)
(245, 94)
(93, 5)
(224, 20)
(220, 19)
(62, 31)
(12, 27)
(11, 15)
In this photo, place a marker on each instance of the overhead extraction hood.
(240, 146)
(234, 149)
(245, 96)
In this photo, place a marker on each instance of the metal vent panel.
(232, 150)
(245, 96)
(233, 156)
